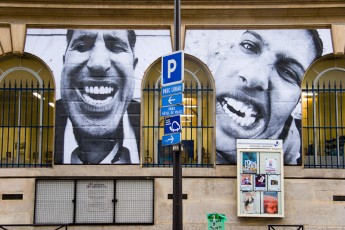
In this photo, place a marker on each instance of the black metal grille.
(323, 125)
(26, 124)
(197, 131)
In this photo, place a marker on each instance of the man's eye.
(81, 46)
(116, 47)
(289, 75)
(250, 47)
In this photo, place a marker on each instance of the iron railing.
(323, 125)
(197, 128)
(26, 124)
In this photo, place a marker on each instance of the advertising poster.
(249, 162)
(273, 182)
(246, 182)
(250, 202)
(260, 182)
(270, 202)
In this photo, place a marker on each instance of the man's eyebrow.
(293, 61)
(258, 36)
(82, 36)
(114, 38)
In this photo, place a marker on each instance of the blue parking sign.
(173, 68)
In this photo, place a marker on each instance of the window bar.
(36, 128)
(324, 123)
(25, 121)
(308, 153)
(202, 125)
(151, 94)
(19, 120)
(31, 126)
(341, 120)
(14, 121)
(199, 117)
(40, 152)
(148, 122)
(336, 122)
(48, 125)
(319, 125)
(189, 114)
(8, 122)
(330, 124)
(196, 94)
(3, 152)
(156, 119)
(207, 124)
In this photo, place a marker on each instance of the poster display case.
(260, 178)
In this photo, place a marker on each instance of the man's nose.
(256, 76)
(99, 61)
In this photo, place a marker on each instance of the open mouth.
(98, 96)
(245, 115)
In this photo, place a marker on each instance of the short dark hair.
(318, 44)
(132, 38)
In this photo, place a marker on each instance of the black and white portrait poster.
(258, 75)
(98, 75)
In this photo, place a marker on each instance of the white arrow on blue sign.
(172, 68)
(172, 110)
(172, 99)
(171, 139)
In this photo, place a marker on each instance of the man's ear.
(135, 63)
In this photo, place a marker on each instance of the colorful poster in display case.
(273, 182)
(270, 204)
(271, 165)
(249, 162)
(250, 202)
(260, 182)
(260, 178)
(246, 182)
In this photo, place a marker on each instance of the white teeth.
(98, 90)
(248, 111)
(92, 101)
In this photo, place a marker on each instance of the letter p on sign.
(172, 68)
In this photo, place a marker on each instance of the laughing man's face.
(258, 84)
(98, 80)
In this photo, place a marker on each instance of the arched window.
(26, 112)
(197, 122)
(323, 113)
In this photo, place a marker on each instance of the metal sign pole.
(177, 166)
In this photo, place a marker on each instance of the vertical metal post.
(177, 188)
(177, 25)
(177, 166)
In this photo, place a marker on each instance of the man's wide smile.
(97, 95)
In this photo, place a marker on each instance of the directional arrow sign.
(172, 99)
(172, 125)
(171, 139)
(172, 110)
